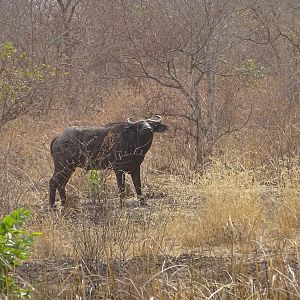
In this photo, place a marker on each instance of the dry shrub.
(288, 207)
(233, 216)
(225, 219)
(230, 209)
(55, 241)
(110, 238)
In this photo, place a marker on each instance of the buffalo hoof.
(143, 201)
(53, 207)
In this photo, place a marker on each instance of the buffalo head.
(146, 126)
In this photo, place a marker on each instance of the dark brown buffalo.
(118, 146)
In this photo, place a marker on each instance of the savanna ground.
(230, 233)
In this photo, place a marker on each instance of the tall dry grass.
(230, 233)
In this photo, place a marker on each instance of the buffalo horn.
(156, 118)
(129, 120)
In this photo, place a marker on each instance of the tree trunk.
(67, 13)
(211, 87)
(201, 152)
(200, 145)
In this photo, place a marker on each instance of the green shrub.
(95, 180)
(15, 244)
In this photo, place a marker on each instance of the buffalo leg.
(59, 181)
(136, 179)
(121, 185)
(62, 188)
(52, 190)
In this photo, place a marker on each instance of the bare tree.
(182, 45)
(67, 10)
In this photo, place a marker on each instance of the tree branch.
(229, 130)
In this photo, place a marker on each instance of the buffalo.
(118, 146)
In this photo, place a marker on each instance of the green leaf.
(8, 221)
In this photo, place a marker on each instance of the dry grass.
(231, 233)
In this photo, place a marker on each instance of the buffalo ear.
(159, 127)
